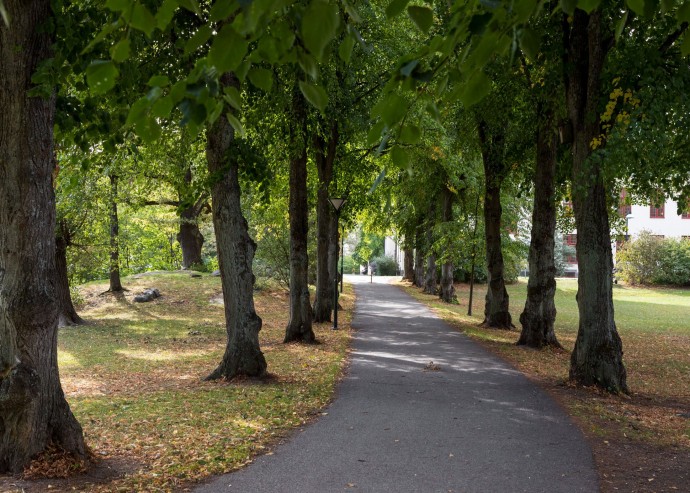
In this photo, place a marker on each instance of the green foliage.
(561, 251)
(384, 265)
(370, 246)
(349, 265)
(652, 260)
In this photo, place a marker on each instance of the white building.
(391, 248)
(664, 222)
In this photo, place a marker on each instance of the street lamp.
(627, 219)
(337, 204)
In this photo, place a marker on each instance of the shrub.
(653, 260)
(385, 266)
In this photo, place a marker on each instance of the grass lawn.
(654, 420)
(133, 377)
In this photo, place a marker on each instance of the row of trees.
(575, 89)
(460, 95)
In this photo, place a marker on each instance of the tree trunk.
(408, 264)
(496, 314)
(474, 257)
(115, 283)
(419, 258)
(540, 310)
(67, 315)
(236, 249)
(598, 355)
(189, 237)
(33, 409)
(325, 157)
(447, 292)
(430, 279)
(299, 327)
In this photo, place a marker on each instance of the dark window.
(625, 208)
(656, 212)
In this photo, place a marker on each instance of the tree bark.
(33, 409)
(236, 249)
(325, 158)
(189, 237)
(67, 315)
(539, 314)
(299, 327)
(408, 264)
(115, 283)
(496, 314)
(430, 279)
(447, 292)
(419, 257)
(598, 355)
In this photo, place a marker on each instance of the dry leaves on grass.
(134, 381)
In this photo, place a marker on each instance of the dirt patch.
(624, 462)
(100, 472)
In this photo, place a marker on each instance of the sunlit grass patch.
(134, 378)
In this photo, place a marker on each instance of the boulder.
(148, 295)
(215, 273)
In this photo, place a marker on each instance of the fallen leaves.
(134, 381)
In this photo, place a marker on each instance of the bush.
(349, 265)
(653, 260)
(384, 266)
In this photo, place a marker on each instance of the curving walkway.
(466, 423)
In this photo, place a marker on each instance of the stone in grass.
(215, 273)
(148, 295)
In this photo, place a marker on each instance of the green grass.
(133, 377)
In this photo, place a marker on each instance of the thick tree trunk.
(447, 292)
(115, 283)
(67, 315)
(236, 249)
(598, 355)
(496, 314)
(189, 237)
(408, 264)
(324, 157)
(540, 310)
(430, 280)
(33, 409)
(299, 327)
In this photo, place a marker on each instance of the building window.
(571, 240)
(625, 207)
(656, 212)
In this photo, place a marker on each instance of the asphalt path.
(424, 409)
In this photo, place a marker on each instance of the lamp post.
(627, 219)
(337, 203)
(342, 259)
